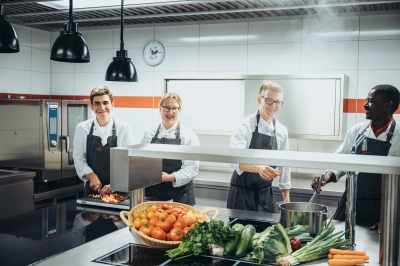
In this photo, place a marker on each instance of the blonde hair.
(269, 85)
(172, 95)
(100, 90)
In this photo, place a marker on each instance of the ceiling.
(31, 14)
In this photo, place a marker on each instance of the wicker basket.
(149, 241)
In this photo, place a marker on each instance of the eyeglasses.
(271, 102)
(167, 109)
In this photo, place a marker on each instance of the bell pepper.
(295, 243)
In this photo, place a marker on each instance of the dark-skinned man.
(380, 136)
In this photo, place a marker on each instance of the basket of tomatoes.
(163, 224)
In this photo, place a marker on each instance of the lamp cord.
(71, 18)
(1, 10)
(122, 26)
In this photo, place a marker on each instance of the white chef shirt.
(241, 138)
(189, 169)
(345, 147)
(124, 138)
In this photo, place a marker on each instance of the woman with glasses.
(250, 187)
(177, 175)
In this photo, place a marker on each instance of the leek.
(318, 248)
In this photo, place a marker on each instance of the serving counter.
(102, 249)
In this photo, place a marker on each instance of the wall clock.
(153, 53)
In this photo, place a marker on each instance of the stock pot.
(293, 213)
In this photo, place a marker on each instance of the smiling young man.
(250, 187)
(379, 135)
(93, 140)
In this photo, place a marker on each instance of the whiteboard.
(210, 106)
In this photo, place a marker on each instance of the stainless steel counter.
(368, 241)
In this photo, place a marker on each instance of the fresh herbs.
(198, 239)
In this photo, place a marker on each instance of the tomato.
(153, 208)
(181, 223)
(157, 213)
(164, 225)
(153, 221)
(176, 234)
(185, 230)
(142, 215)
(168, 211)
(158, 233)
(189, 219)
(165, 206)
(146, 229)
(171, 219)
(150, 215)
(168, 236)
(144, 221)
(162, 215)
(137, 223)
(191, 226)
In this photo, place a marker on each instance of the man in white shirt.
(93, 140)
(250, 187)
(379, 135)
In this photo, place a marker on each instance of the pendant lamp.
(8, 37)
(121, 68)
(70, 46)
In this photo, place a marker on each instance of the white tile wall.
(187, 35)
(40, 60)
(139, 118)
(41, 83)
(98, 39)
(223, 34)
(159, 80)
(144, 86)
(85, 82)
(284, 56)
(24, 35)
(184, 59)
(15, 81)
(330, 29)
(62, 84)
(226, 57)
(381, 27)
(133, 37)
(380, 54)
(61, 67)
(370, 78)
(41, 39)
(281, 31)
(21, 60)
(329, 55)
(136, 55)
(99, 61)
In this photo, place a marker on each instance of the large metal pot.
(293, 214)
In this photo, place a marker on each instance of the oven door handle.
(67, 143)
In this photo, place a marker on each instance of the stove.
(136, 254)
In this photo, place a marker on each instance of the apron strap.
(391, 131)
(114, 130)
(91, 129)
(258, 120)
(157, 131)
(178, 131)
(358, 141)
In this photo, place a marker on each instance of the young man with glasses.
(250, 187)
(379, 135)
(177, 176)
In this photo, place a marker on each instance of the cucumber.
(231, 245)
(245, 238)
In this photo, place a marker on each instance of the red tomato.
(176, 234)
(165, 206)
(181, 223)
(158, 233)
(185, 230)
(153, 221)
(168, 236)
(171, 218)
(164, 225)
(146, 229)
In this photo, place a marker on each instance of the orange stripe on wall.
(356, 106)
(134, 101)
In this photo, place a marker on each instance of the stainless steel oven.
(38, 135)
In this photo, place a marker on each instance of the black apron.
(165, 190)
(368, 207)
(249, 191)
(98, 157)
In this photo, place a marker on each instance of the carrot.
(330, 256)
(334, 251)
(349, 257)
(344, 262)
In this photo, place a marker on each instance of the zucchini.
(231, 245)
(245, 238)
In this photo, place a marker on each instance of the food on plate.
(113, 197)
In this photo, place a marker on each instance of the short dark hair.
(100, 90)
(390, 94)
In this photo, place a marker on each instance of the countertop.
(366, 240)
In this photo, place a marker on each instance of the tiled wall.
(365, 48)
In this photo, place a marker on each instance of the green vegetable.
(231, 245)
(245, 238)
(272, 243)
(296, 230)
(200, 237)
(318, 248)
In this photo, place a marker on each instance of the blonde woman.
(177, 175)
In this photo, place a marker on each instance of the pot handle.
(325, 213)
(279, 203)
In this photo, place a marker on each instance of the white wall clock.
(153, 53)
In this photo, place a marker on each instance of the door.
(73, 112)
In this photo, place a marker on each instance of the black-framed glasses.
(167, 109)
(271, 102)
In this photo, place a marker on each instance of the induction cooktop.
(136, 254)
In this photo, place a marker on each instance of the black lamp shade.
(70, 46)
(121, 68)
(8, 37)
